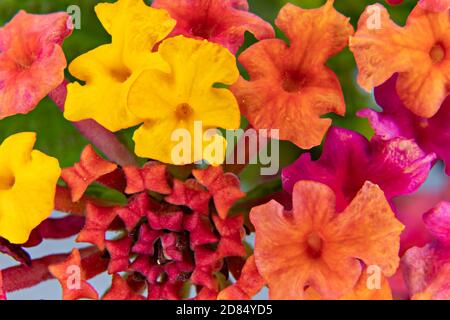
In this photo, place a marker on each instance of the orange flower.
(290, 87)
(32, 61)
(418, 52)
(314, 247)
(72, 278)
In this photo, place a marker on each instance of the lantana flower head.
(313, 246)
(290, 88)
(171, 234)
(221, 21)
(427, 269)
(397, 121)
(183, 98)
(348, 159)
(27, 186)
(32, 61)
(418, 52)
(110, 69)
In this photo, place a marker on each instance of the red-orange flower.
(249, 284)
(220, 21)
(72, 278)
(120, 290)
(418, 52)
(32, 61)
(312, 246)
(290, 87)
(83, 173)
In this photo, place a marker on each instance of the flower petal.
(28, 185)
(32, 62)
(220, 21)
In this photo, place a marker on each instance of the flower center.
(183, 111)
(314, 245)
(437, 53)
(7, 180)
(292, 81)
(120, 75)
(202, 29)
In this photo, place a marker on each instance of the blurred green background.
(58, 138)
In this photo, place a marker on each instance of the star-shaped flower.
(71, 275)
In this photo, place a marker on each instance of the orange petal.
(367, 230)
(416, 51)
(290, 87)
(362, 290)
(313, 246)
(281, 250)
(249, 284)
(83, 173)
(73, 279)
(120, 290)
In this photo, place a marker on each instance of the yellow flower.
(109, 69)
(188, 93)
(27, 186)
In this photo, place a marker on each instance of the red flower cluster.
(169, 234)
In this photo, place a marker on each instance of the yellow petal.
(103, 97)
(135, 28)
(27, 197)
(177, 142)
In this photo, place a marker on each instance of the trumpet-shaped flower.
(290, 87)
(109, 70)
(220, 21)
(27, 186)
(348, 159)
(184, 97)
(427, 270)
(32, 61)
(418, 52)
(397, 121)
(313, 246)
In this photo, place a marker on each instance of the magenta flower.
(427, 270)
(222, 21)
(431, 134)
(348, 159)
(32, 61)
